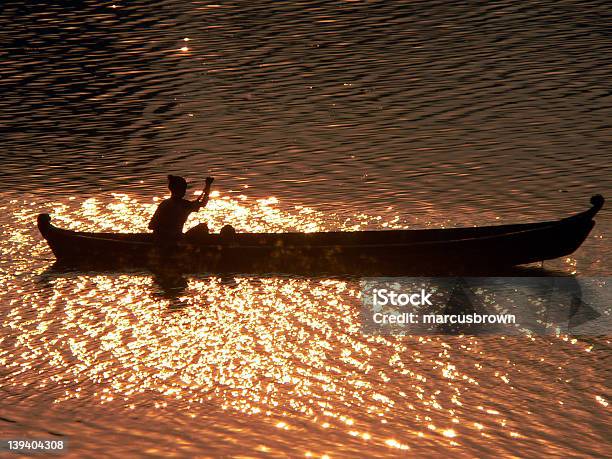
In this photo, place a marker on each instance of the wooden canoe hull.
(395, 252)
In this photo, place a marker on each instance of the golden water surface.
(123, 363)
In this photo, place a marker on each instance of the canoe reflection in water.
(172, 285)
(545, 302)
(167, 285)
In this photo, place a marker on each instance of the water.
(311, 116)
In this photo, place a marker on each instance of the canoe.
(391, 252)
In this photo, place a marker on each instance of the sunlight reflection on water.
(284, 351)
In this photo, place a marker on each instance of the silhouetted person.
(170, 216)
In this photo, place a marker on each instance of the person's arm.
(203, 198)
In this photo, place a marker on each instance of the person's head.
(177, 186)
